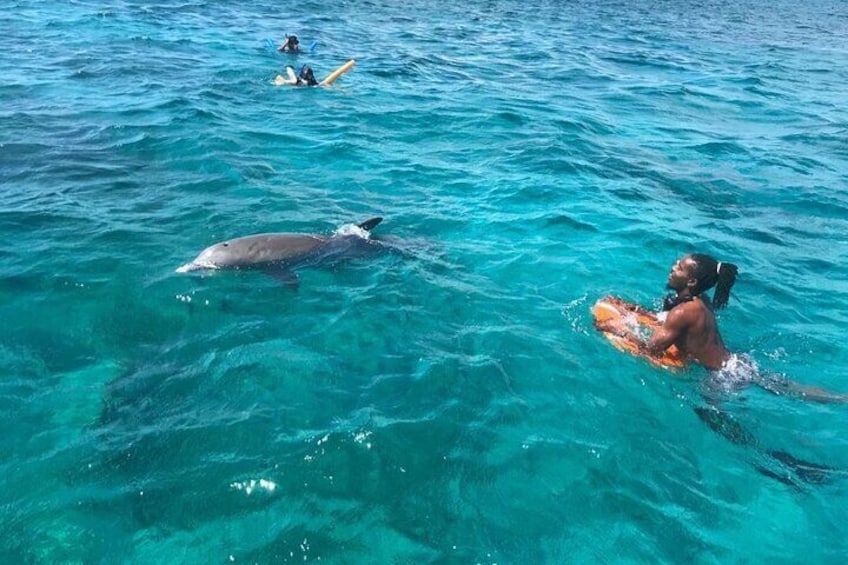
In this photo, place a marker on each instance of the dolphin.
(278, 254)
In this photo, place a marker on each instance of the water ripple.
(448, 400)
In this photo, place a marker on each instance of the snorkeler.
(307, 78)
(290, 45)
(303, 78)
(688, 322)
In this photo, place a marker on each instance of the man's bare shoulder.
(686, 313)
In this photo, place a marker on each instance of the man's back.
(693, 329)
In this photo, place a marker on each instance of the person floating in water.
(290, 45)
(307, 78)
(303, 78)
(688, 322)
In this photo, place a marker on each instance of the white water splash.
(195, 266)
(738, 371)
(353, 229)
(249, 486)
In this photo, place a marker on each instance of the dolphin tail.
(369, 225)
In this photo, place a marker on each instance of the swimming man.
(688, 322)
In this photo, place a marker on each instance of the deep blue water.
(451, 403)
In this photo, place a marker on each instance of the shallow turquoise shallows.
(449, 402)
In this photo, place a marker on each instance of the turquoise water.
(451, 403)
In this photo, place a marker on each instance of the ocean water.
(450, 403)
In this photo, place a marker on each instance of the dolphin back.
(287, 250)
(255, 251)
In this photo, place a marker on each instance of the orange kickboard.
(621, 315)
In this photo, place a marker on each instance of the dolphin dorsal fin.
(369, 225)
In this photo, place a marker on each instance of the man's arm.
(672, 329)
(664, 337)
(630, 307)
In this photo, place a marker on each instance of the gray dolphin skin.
(279, 253)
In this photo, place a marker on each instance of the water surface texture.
(450, 402)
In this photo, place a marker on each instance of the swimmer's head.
(699, 272)
(307, 76)
(292, 42)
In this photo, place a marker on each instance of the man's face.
(681, 274)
